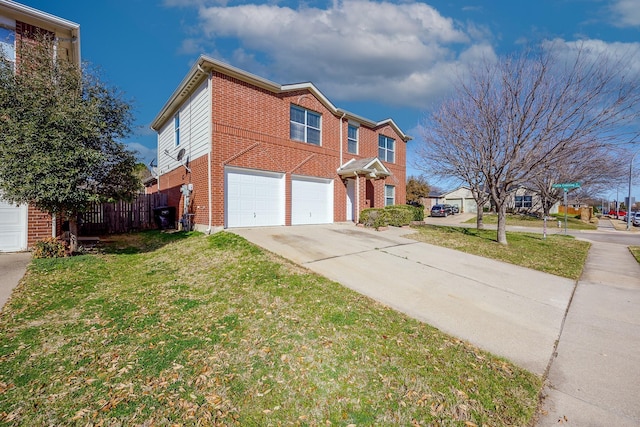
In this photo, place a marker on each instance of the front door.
(351, 198)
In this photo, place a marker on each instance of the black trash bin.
(165, 217)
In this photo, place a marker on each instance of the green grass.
(573, 222)
(557, 254)
(635, 251)
(210, 330)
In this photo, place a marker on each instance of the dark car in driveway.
(441, 210)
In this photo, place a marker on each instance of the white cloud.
(143, 153)
(626, 13)
(355, 50)
(626, 56)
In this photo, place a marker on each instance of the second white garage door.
(253, 198)
(311, 200)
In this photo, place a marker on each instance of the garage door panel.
(254, 198)
(13, 227)
(311, 200)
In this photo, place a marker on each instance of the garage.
(311, 200)
(254, 198)
(13, 227)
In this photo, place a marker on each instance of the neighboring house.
(237, 150)
(22, 226)
(525, 200)
(462, 197)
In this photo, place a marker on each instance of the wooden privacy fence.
(121, 217)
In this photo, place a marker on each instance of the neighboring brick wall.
(250, 129)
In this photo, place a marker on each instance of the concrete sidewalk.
(488, 303)
(594, 378)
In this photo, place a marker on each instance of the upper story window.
(8, 45)
(305, 125)
(389, 195)
(386, 149)
(352, 139)
(176, 128)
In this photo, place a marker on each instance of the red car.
(618, 215)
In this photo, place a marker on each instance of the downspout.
(341, 142)
(210, 119)
(357, 197)
(53, 225)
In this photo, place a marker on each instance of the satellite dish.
(180, 154)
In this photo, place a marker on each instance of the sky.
(377, 59)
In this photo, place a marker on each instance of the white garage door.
(13, 227)
(253, 198)
(311, 200)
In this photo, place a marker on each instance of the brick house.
(22, 226)
(237, 150)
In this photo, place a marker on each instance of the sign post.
(565, 187)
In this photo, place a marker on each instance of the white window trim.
(356, 140)
(176, 129)
(393, 197)
(306, 125)
(387, 150)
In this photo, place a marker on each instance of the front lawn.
(557, 254)
(186, 329)
(573, 223)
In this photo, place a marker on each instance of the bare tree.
(595, 170)
(522, 118)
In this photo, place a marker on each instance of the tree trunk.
(73, 234)
(479, 218)
(502, 223)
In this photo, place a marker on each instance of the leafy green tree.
(417, 189)
(59, 132)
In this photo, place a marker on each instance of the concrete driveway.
(12, 268)
(510, 311)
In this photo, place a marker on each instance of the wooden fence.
(121, 217)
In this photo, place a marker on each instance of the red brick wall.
(39, 225)
(250, 129)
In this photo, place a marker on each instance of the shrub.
(373, 217)
(399, 215)
(396, 215)
(50, 247)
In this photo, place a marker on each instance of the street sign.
(567, 185)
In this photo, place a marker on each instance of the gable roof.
(371, 166)
(200, 70)
(67, 32)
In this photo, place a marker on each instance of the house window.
(305, 125)
(386, 148)
(7, 45)
(524, 201)
(389, 195)
(176, 128)
(352, 139)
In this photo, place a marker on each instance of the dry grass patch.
(193, 330)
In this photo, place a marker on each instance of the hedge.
(395, 215)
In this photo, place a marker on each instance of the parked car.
(624, 218)
(455, 209)
(614, 214)
(441, 210)
(636, 219)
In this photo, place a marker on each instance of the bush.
(373, 217)
(396, 215)
(50, 247)
(399, 215)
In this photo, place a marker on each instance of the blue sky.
(375, 59)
